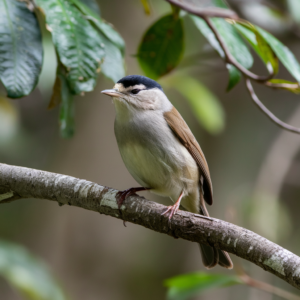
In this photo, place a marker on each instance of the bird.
(161, 153)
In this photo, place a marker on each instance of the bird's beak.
(112, 93)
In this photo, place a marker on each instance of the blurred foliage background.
(255, 166)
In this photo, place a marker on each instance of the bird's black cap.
(132, 80)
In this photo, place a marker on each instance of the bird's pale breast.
(154, 156)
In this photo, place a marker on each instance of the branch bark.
(19, 183)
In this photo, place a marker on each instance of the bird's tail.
(210, 255)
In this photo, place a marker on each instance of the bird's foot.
(171, 210)
(122, 195)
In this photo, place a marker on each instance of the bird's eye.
(135, 91)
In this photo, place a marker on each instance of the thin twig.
(206, 14)
(205, 11)
(230, 59)
(267, 112)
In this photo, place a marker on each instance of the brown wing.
(186, 137)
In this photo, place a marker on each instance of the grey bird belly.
(154, 156)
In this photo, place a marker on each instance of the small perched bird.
(161, 153)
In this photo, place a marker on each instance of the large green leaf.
(205, 105)
(79, 46)
(27, 274)
(283, 53)
(92, 5)
(21, 52)
(111, 34)
(184, 287)
(67, 109)
(103, 26)
(258, 43)
(113, 65)
(161, 47)
(233, 41)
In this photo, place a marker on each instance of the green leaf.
(108, 30)
(27, 274)
(205, 105)
(283, 53)
(114, 46)
(234, 76)
(233, 41)
(66, 114)
(161, 47)
(78, 44)
(92, 5)
(113, 65)
(21, 52)
(258, 43)
(103, 26)
(283, 84)
(185, 286)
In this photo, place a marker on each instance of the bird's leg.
(122, 195)
(174, 208)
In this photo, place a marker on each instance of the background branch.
(206, 14)
(19, 182)
(269, 114)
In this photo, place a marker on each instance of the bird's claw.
(122, 195)
(171, 210)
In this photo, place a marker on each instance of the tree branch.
(205, 11)
(269, 114)
(230, 59)
(19, 182)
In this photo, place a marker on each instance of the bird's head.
(138, 93)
